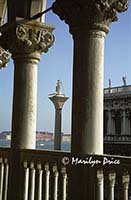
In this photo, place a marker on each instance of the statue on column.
(124, 80)
(58, 87)
(109, 82)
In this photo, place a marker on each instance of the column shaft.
(124, 123)
(109, 123)
(111, 193)
(128, 127)
(125, 193)
(24, 104)
(57, 139)
(113, 122)
(87, 108)
(100, 191)
(127, 122)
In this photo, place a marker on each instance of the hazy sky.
(57, 64)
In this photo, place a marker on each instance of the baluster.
(112, 179)
(55, 173)
(64, 185)
(1, 176)
(26, 180)
(39, 192)
(126, 181)
(6, 166)
(100, 185)
(47, 177)
(32, 182)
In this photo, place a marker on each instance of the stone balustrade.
(117, 90)
(117, 138)
(47, 174)
(4, 169)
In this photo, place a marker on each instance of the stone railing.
(117, 138)
(4, 169)
(47, 174)
(113, 90)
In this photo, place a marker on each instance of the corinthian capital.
(30, 37)
(4, 57)
(94, 14)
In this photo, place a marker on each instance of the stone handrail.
(126, 88)
(47, 174)
(116, 138)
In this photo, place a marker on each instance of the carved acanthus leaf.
(4, 57)
(117, 104)
(94, 13)
(28, 38)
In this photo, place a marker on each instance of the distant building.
(46, 136)
(66, 137)
(117, 119)
(5, 135)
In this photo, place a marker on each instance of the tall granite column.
(88, 23)
(26, 42)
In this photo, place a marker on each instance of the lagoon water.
(44, 145)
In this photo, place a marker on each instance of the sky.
(57, 64)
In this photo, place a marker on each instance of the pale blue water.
(48, 145)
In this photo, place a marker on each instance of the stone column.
(58, 100)
(88, 23)
(100, 181)
(87, 107)
(57, 139)
(26, 42)
(124, 122)
(113, 122)
(128, 122)
(126, 181)
(109, 130)
(112, 179)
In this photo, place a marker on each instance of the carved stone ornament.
(117, 104)
(27, 37)
(94, 14)
(4, 57)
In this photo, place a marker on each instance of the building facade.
(117, 120)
